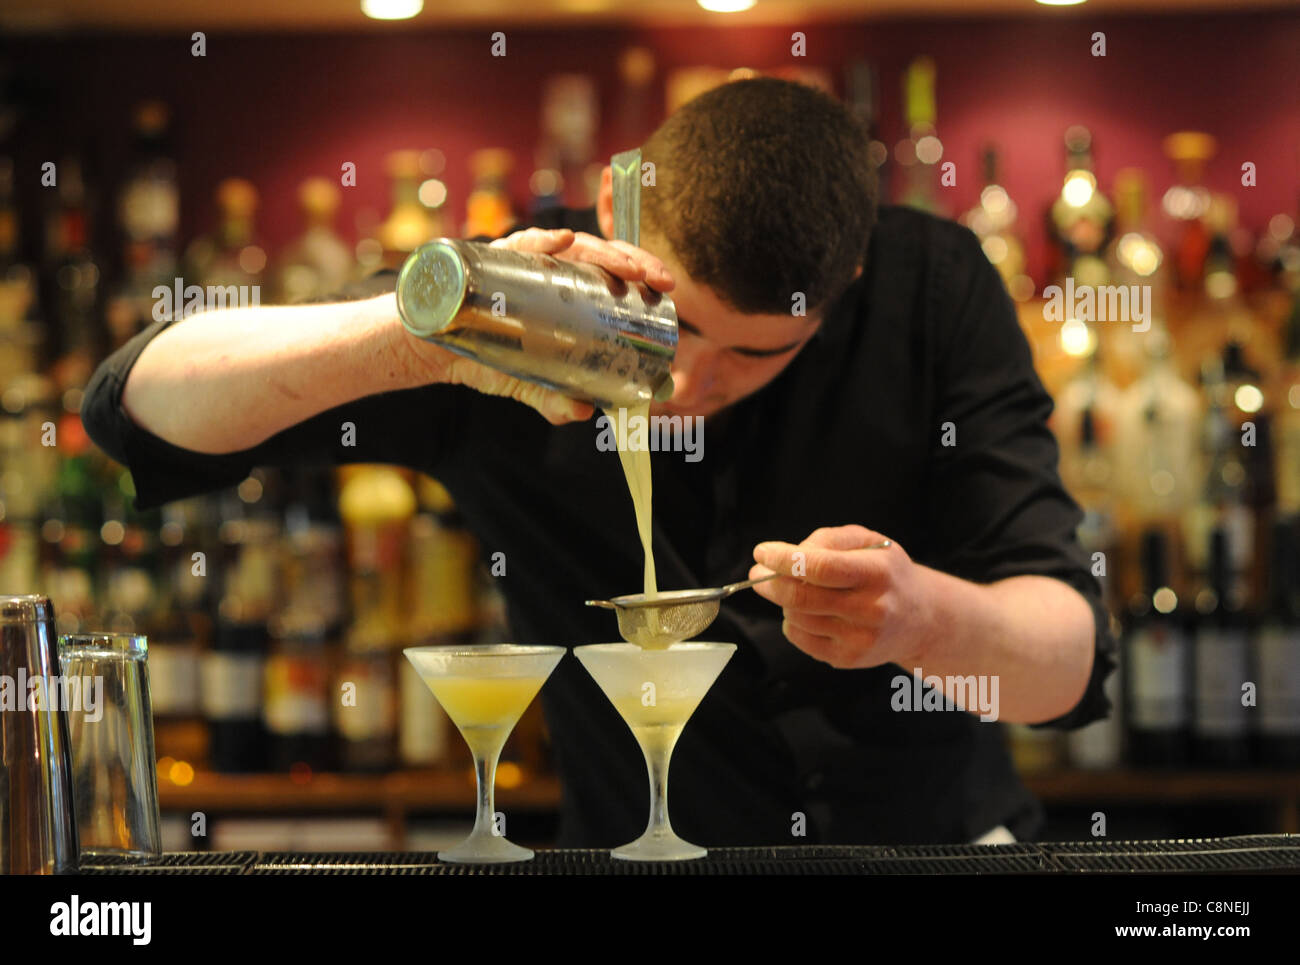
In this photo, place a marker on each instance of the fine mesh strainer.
(658, 622)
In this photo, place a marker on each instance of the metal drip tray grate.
(804, 860)
(1243, 854)
(174, 863)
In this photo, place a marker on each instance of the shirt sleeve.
(411, 427)
(996, 500)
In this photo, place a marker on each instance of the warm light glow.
(252, 259)
(929, 149)
(1078, 189)
(725, 6)
(1220, 284)
(181, 773)
(994, 199)
(509, 774)
(1165, 600)
(1248, 398)
(1059, 3)
(391, 9)
(996, 249)
(1076, 338)
(433, 193)
(1138, 253)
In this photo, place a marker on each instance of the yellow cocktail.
(485, 690)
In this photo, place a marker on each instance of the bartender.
(862, 377)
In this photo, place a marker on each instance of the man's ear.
(857, 273)
(605, 202)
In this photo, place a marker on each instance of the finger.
(815, 645)
(836, 569)
(598, 251)
(544, 240)
(656, 273)
(834, 627)
(851, 537)
(796, 594)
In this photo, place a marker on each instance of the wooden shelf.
(397, 794)
(400, 791)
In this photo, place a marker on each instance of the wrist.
(408, 361)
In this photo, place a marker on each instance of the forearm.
(1036, 634)
(224, 381)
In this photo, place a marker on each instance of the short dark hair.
(763, 187)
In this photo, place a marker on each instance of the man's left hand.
(844, 604)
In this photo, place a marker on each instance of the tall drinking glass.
(114, 779)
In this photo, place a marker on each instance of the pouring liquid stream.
(636, 467)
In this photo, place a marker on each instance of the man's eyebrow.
(740, 349)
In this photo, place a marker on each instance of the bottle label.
(174, 678)
(1158, 677)
(296, 701)
(1221, 670)
(232, 685)
(372, 713)
(1279, 681)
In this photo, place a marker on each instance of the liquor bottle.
(128, 555)
(232, 670)
(1156, 438)
(1285, 402)
(306, 630)
(918, 154)
(442, 574)
(231, 686)
(148, 215)
(1276, 656)
(410, 222)
(1156, 664)
(319, 262)
(993, 220)
(179, 632)
(1137, 263)
(1135, 256)
(488, 210)
(1186, 204)
(1224, 490)
(1220, 726)
(376, 504)
(17, 281)
(862, 84)
(231, 255)
(76, 301)
(1081, 218)
(71, 530)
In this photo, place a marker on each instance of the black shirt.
(850, 432)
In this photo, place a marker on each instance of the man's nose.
(693, 376)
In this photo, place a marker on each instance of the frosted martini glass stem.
(485, 770)
(657, 765)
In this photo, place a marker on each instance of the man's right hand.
(619, 258)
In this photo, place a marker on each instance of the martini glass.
(485, 690)
(656, 691)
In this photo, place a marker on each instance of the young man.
(902, 405)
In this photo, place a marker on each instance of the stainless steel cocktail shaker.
(571, 327)
(38, 829)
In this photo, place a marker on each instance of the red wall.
(277, 108)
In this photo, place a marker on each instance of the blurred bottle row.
(1180, 438)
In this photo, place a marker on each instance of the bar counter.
(1245, 854)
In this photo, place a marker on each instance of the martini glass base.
(659, 845)
(485, 849)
